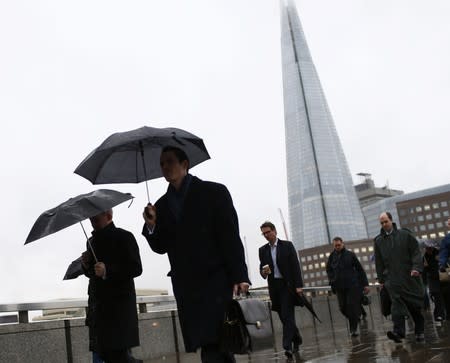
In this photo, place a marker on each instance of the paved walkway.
(336, 346)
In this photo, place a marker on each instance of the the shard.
(322, 200)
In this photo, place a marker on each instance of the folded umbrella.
(301, 300)
(74, 270)
(76, 210)
(133, 156)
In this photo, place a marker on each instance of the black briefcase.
(247, 327)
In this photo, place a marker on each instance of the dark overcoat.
(288, 265)
(431, 270)
(206, 257)
(396, 255)
(112, 314)
(345, 271)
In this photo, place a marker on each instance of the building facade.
(424, 212)
(321, 196)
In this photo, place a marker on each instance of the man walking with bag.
(279, 264)
(196, 225)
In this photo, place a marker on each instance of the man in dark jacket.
(399, 264)
(431, 276)
(444, 261)
(112, 314)
(279, 265)
(196, 224)
(348, 281)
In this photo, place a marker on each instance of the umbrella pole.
(89, 243)
(141, 148)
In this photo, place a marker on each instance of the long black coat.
(287, 262)
(396, 255)
(206, 257)
(345, 271)
(112, 314)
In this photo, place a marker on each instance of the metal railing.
(145, 303)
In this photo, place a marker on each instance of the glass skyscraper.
(322, 200)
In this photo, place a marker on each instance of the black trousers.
(286, 312)
(211, 354)
(416, 314)
(350, 305)
(445, 293)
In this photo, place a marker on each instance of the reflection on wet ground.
(336, 345)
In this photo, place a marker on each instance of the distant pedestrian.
(399, 264)
(348, 280)
(279, 265)
(444, 261)
(431, 274)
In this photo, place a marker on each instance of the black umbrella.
(76, 210)
(301, 300)
(133, 156)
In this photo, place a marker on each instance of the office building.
(321, 196)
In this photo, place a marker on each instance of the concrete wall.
(160, 335)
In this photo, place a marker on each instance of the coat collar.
(384, 233)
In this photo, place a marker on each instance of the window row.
(421, 208)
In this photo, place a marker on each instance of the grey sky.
(71, 73)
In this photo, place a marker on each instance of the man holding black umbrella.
(279, 264)
(196, 224)
(111, 262)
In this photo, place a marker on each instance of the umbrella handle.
(141, 148)
(89, 243)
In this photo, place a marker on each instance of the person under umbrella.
(111, 261)
(196, 224)
(112, 314)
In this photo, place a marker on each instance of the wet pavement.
(322, 344)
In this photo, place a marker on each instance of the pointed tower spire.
(322, 200)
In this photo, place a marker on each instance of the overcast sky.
(72, 73)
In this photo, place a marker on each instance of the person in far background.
(444, 261)
(431, 274)
(279, 265)
(348, 280)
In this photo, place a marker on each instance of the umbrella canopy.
(75, 210)
(133, 156)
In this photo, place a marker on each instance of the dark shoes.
(297, 344)
(397, 338)
(288, 354)
(354, 333)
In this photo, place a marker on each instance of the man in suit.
(112, 314)
(196, 224)
(279, 264)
